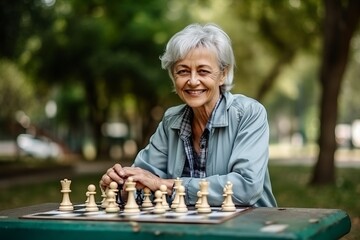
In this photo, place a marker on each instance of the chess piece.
(112, 187)
(224, 197)
(181, 208)
(139, 197)
(103, 194)
(66, 204)
(228, 205)
(91, 205)
(105, 201)
(175, 201)
(163, 190)
(87, 197)
(198, 202)
(131, 205)
(119, 199)
(147, 201)
(112, 206)
(158, 208)
(204, 207)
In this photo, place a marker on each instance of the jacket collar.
(221, 119)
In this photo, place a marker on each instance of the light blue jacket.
(237, 152)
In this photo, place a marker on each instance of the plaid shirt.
(195, 166)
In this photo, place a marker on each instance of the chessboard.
(216, 216)
(142, 205)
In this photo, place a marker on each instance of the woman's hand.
(144, 178)
(113, 174)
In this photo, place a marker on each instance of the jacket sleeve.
(247, 164)
(154, 156)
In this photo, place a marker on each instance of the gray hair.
(209, 36)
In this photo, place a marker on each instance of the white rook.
(66, 204)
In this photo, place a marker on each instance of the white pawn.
(228, 205)
(163, 190)
(147, 201)
(87, 197)
(112, 187)
(198, 202)
(181, 208)
(131, 205)
(111, 207)
(103, 194)
(105, 201)
(91, 205)
(158, 208)
(66, 204)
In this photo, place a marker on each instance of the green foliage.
(19, 20)
(291, 188)
(282, 29)
(107, 50)
(13, 83)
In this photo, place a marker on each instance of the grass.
(290, 186)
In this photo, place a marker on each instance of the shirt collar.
(185, 125)
(220, 119)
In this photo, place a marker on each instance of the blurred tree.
(16, 97)
(18, 21)
(111, 49)
(287, 28)
(100, 54)
(283, 29)
(348, 106)
(21, 23)
(340, 22)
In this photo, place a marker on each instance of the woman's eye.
(182, 72)
(203, 72)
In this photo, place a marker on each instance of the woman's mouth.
(194, 92)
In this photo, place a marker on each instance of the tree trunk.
(96, 116)
(341, 18)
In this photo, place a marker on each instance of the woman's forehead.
(201, 54)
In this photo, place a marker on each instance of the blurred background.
(81, 82)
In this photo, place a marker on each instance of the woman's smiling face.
(198, 78)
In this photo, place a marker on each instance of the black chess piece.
(119, 199)
(139, 197)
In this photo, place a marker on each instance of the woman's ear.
(224, 73)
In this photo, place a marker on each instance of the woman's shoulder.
(174, 111)
(173, 115)
(242, 107)
(242, 102)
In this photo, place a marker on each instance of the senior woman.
(215, 135)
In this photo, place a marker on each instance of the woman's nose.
(193, 80)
